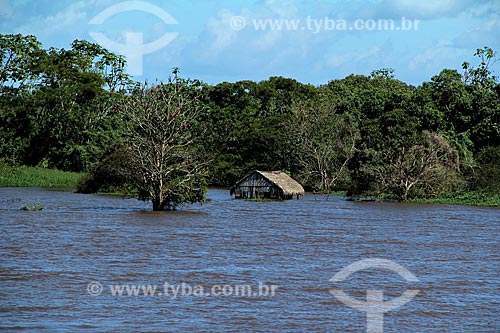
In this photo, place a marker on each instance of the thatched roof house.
(267, 184)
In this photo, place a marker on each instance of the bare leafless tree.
(162, 136)
(429, 168)
(324, 142)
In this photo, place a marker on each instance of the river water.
(60, 268)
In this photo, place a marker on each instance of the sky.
(231, 40)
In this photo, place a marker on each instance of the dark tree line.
(56, 105)
(78, 110)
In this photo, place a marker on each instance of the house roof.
(285, 182)
(288, 185)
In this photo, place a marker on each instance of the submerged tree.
(162, 138)
(423, 170)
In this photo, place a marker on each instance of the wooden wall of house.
(257, 186)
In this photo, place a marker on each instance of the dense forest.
(75, 109)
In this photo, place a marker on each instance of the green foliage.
(384, 73)
(57, 105)
(32, 207)
(244, 120)
(463, 198)
(481, 75)
(324, 141)
(110, 175)
(19, 56)
(76, 109)
(365, 168)
(487, 174)
(23, 176)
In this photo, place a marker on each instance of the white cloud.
(284, 8)
(426, 9)
(438, 56)
(71, 15)
(69, 19)
(486, 9)
(219, 29)
(479, 37)
(342, 58)
(221, 39)
(208, 48)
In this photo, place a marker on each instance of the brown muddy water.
(54, 263)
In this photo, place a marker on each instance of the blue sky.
(221, 40)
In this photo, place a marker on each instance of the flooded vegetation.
(379, 108)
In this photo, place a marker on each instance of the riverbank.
(40, 177)
(465, 198)
(24, 176)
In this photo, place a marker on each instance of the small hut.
(267, 184)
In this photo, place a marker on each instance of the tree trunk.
(158, 205)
